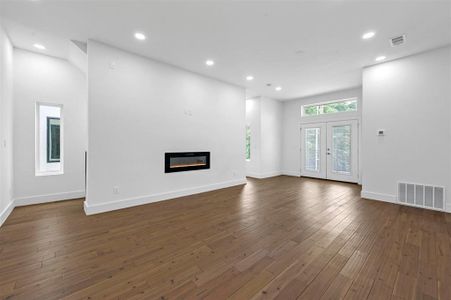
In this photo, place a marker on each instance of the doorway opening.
(329, 150)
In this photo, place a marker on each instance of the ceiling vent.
(398, 40)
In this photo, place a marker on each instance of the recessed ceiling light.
(140, 36)
(249, 77)
(368, 35)
(39, 46)
(209, 62)
(278, 88)
(380, 58)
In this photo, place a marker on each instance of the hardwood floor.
(278, 238)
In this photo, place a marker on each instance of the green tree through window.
(248, 142)
(330, 108)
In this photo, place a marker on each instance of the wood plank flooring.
(277, 238)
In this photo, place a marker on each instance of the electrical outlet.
(115, 190)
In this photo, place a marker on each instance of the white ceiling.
(305, 47)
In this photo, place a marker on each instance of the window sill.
(48, 173)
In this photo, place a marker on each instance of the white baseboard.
(39, 199)
(393, 199)
(91, 209)
(292, 173)
(6, 212)
(378, 196)
(264, 175)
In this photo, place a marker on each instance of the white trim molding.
(394, 199)
(6, 212)
(39, 199)
(264, 175)
(91, 209)
(292, 173)
(379, 197)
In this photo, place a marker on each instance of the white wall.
(291, 163)
(6, 126)
(41, 78)
(138, 110)
(253, 120)
(411, 99)
(271, 137)
(77, 56)
(264, 116)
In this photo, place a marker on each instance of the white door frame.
(325, 159)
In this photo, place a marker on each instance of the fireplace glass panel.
(180, 162)
(186, 161)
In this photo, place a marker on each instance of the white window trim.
(48, 173)
(328, 102)
(39, 172)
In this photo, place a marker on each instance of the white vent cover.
(398, 40)
(421, 195)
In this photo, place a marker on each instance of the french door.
(330, 150)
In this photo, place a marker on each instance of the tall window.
(248, 142)
(53, 140)
(333, 107)
(49, 139)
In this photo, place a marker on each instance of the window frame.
(323, 115)
(38, 170)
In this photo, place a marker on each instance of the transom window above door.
(332, 107)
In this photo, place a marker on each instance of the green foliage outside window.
(248, 142)
(330, 108)
(311, 110)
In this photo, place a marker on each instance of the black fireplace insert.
(186, 161)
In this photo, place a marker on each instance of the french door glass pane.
(341, 149)
(312, 149)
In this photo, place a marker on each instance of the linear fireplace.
(186, 161)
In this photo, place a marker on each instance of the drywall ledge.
(40, 199)
(6, 212)
(130, 202)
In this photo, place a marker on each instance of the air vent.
(421, 195)
(398, 40)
